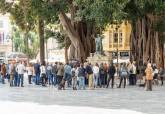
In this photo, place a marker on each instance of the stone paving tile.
(131, 98)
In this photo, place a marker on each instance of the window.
(1, 37)
(115, 37)
(110, 36)
(121, 37)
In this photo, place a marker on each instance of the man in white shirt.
(20, 69)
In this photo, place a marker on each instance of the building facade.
(117, 39)
(5, 33)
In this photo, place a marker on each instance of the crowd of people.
(81, 75)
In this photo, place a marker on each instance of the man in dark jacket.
(89, 72)
(37, 73)
(81, 76)
(111, 72)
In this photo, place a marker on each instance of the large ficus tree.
(148, 26)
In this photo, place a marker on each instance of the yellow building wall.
(108, 41)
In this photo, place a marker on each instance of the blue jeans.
(37, 78)
(68, 78)
(96, 79)
(15, 79)
(102, 80)
(50, 79)
(3, 79)
(55, 79)
(20, 79)
(81, 82)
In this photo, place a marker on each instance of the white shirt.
(43, 70)
(29, 71)
(20, 69)
(156, 71)
(95, 69)
(76, 71)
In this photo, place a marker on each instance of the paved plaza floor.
(130, 98)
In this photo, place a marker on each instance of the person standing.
(3, 72)
(90, 76)
(37, 73)
(102, 75)
(49, 74)
(123, 74)
(30, 73)
(54, 73)
(67, 74)
(81, 76)
(155, 74)
(149, 77)
(132, 72)
(96, 75)
(60, 73)
(74, 78)
(43, 74)
(11, 72)
(111, 73)
(106, 73)
(20, 69)
(161, 73)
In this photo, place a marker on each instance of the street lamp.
(117, 28)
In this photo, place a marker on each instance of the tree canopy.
(81, 18)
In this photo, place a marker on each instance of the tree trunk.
(80, 36)
(41, 37)
(146, 42)
(66, 51)
(26, 40)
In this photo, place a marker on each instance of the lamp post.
(117, 27)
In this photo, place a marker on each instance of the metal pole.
(47, 49)
(117, 52)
